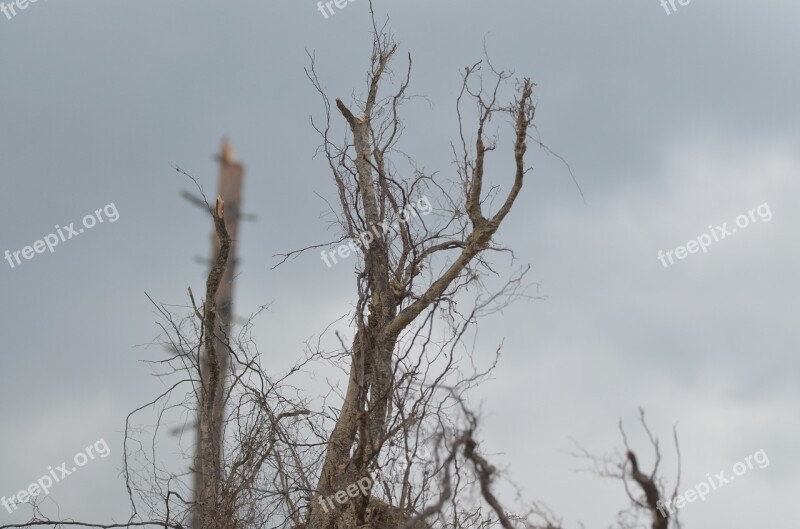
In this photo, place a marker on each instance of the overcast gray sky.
(670, 122)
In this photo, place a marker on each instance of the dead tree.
(413, 274)
(653, 502)
(216, 362)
